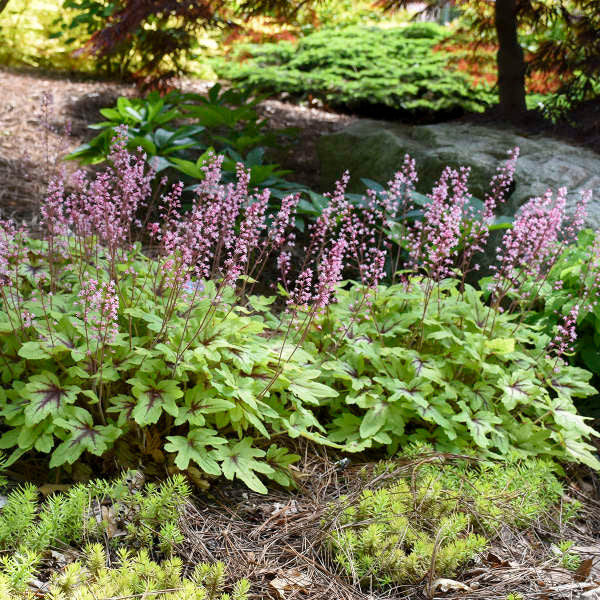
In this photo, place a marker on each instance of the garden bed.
(287, 543)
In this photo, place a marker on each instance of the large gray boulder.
(376, 149)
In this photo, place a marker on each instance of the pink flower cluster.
(226, 225)
(499, 188)
(434, 240)
(7, 237)
(100, 307)
(531, 246)
(566, 334)
(106, 207)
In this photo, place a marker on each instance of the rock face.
(376, 149)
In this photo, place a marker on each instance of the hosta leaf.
(239, 461)
(47, 396)
(194, 448)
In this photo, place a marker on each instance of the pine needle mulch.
(277, 542)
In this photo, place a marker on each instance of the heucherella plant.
(428, 359)
(103, 345)
(131, 323)
(441, 376)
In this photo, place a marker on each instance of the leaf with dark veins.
(123, 406)
(198, 447)
(83, 435)
(154, 397)
(200, 401)
(47, 396)
(239, 461)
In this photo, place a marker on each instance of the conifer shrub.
(358, 67)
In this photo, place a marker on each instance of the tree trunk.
(3, 4)
(511, 62)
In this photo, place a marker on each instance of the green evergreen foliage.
(147, 517)
(139, 522)
(567, 559)
(357, 67)
(425, 360)
(132, 574)
(432, 521)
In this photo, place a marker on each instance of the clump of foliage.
(124, 511)
(431, 361)
(427, 358)
(152, 42)
(28, 37)
(129, 575)
(358, 67)
(427, 521)
(567, 559)
(567, 298)
(105, 348)
(178, 131)
(135, 522)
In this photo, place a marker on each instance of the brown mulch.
(43, 117)
(35, 115)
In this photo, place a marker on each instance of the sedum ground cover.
(387, 527)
